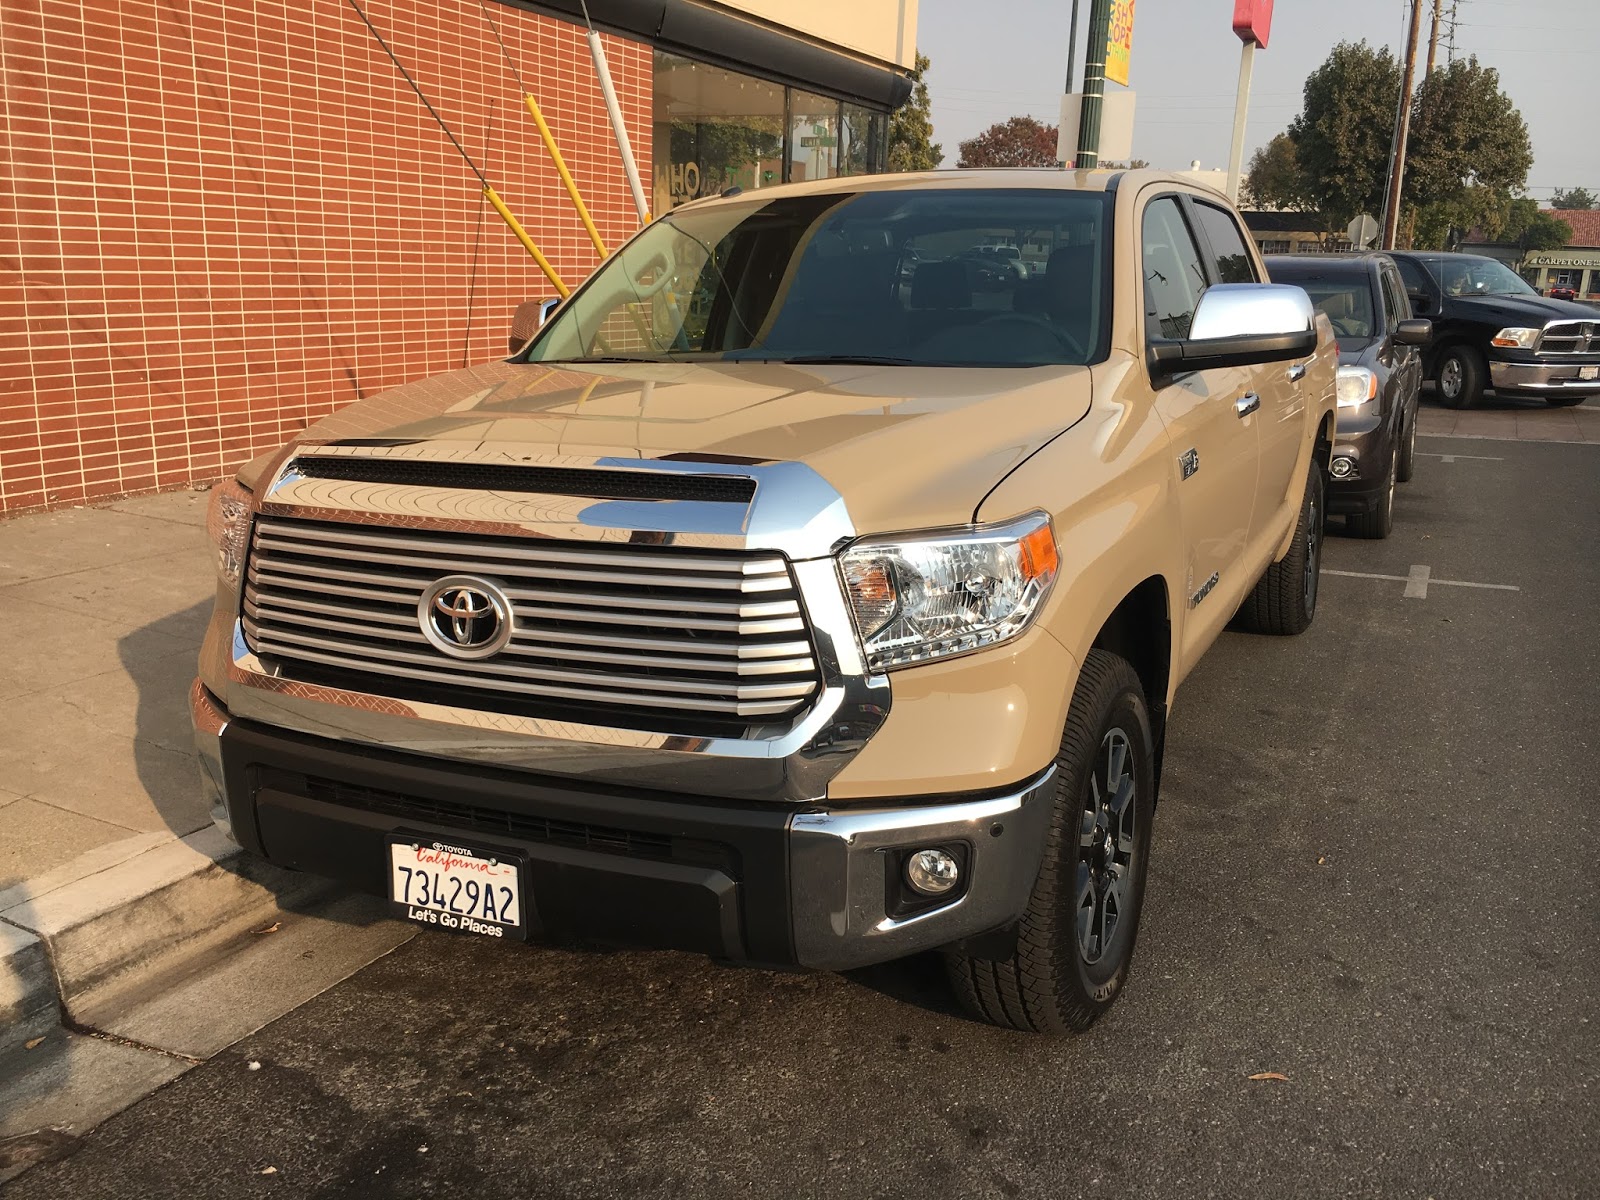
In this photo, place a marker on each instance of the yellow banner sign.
(1119, 41)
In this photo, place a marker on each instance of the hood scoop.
(589, 482)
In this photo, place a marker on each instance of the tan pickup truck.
(804, 592)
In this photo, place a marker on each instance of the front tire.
(1075, 939)
(1379, 523)
(1460, 377)
(1284, 602)
(1407, 467)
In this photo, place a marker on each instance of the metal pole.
(1433, 39)
(1072, 49)
(1391, 204)
(619, 130)
(1241, 107)
(1094, 83)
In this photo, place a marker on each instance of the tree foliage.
(1534, 230)
(1273, 179)
(1341, 137)
(911, 144)
(1573, 198)
(1019, 142)
(1468, 152)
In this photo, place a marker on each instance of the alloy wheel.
(1106, 848)
(1450, 378)
(1313, 566)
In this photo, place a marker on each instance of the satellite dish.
(1363, 232)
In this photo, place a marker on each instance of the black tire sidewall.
(1100, 983)
(1472, 372)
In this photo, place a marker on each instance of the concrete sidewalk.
(128, 943)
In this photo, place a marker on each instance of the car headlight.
(228, 525)
(1517, 338)
(930, 595)
(1357, 385)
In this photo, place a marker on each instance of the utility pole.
(1072, 49)
(1094, 84)
(1397, 172)
(1450, 44)
(1433, 39)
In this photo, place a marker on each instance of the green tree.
(1573, 198)
(1469, 151)
(1274, 179)
(1019, 142)
(1341, 137)
(911, 144)
(1531, 229)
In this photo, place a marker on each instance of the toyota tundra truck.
(786, 598)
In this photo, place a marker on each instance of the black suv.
(1380, 378)
(1490, 329)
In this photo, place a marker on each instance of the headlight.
(1517, 338)
(925, 596)
(1357, 385)
(228, 524)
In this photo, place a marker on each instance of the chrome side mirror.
(1240, 324)
(528, 318)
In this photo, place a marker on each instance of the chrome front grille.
(1570, 337)
(620, 634)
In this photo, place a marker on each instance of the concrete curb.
(126, 913)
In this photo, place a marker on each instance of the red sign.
(1252, 20)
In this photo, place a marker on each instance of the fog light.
(932, 872)
(1342, 468)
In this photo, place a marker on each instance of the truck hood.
(907, 447)
(1521, 310)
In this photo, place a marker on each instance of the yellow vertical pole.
(566, 175)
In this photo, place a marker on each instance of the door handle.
(1247, 404)
(1297, 372)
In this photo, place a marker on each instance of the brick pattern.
(220, 222)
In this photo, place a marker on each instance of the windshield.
(1477, 277)
(900, 276)
(1347, 303)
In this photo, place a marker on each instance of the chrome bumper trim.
(1541, 377)
(210, 719)
(837, 865)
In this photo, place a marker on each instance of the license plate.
(457, 888)
(1589, 372)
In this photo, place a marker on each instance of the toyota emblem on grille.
(465, 616)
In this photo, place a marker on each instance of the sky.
(1185, 64)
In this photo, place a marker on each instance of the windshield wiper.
(855, 360)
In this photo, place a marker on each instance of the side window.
(1394, 299)
(1402, 303)
(1416, 278)
(1227, 243)
(1173, 277)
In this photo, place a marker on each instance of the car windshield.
(1477, 277)
(1347, 303)
(901, 276)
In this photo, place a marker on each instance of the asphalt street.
(1374, 875)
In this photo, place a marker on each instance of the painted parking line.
(1420, 579)
(1450, 458)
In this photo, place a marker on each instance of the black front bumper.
(1369, 452)
(601, 864)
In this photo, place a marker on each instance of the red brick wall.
(219, 222)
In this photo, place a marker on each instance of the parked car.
(1380, 378)
(842, 626)
(1492, 329)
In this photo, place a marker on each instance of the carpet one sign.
(1119, 41)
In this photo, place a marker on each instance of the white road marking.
(1496, 437)
(1450, 458)
(1421, 579)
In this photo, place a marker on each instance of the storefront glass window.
(814, 137)
(713, 129)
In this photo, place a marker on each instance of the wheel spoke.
(1086, 829)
